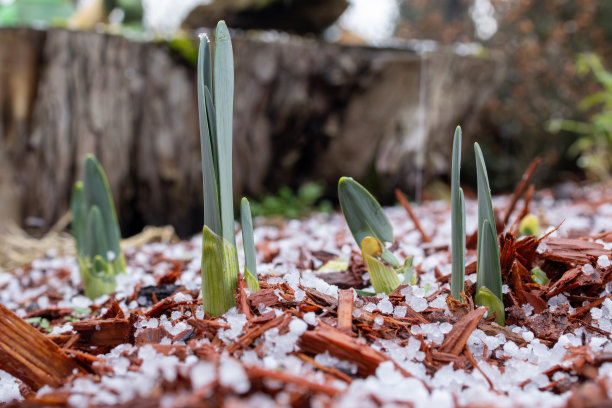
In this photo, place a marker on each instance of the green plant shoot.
(384, 279)
(248, 243)
(529, 225)
(488, 268)
(539, 276)
(219, 254)
(457, 221)
(365, 217)
(96, 230)
(371, 229)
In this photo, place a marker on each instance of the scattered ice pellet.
(311, 319)
(385, 306)
(418, 304)
(232, 375)
(298, 326)
(400, 311)
(603, 261)
(299, 295)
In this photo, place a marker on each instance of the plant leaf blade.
(223, 76)
(457, 221)
(212, 217)
(484, 297)
(219, 273)
(248, 243)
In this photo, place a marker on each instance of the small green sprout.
(539, 276)
(484, 297)
(219, 254)
(529, 225)
(488, 268)
(41, 321)
(248, 243)
(365, 217)
(457, 221)
(96, 231)
(371, 229)
(384, 278)
(409, 275)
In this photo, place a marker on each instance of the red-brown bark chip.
(455, 340)
(29, 355)
(342, 346)
(345, 310)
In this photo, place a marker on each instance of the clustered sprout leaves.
(219, 253)
(488, 268)
(371, 229)
(95, 227)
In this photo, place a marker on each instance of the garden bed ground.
(307, 339)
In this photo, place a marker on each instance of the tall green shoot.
(488, 269)
(457, 221)
(219, 254)
(96, 231)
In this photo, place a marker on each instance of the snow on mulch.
(151, 341)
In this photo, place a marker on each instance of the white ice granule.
(603, 261)
(182, 297)
(400, 311)
(385, 306)
(510, 349)
(202, 374)
(9, 388)
(66, 328)
(369, 307)
(378, 322)
(418, 304)
(236, 322)
(299, 295)
(310, 318)
(298, 326)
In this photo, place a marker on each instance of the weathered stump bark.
(303, 110)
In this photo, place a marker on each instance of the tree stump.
(303, 110)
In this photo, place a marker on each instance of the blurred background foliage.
(555, 99)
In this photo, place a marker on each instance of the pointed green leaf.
(79, 216)
(408, 270)
(384, 279)
(212, 217)
(248, 243)
(219, 273)
(364, 216)
(457, 221)
(485, 204)
(97, 192)
(223, 76)
(97, 243)
(539, 276)
(484, 297)
(489, 269)
(212, 130)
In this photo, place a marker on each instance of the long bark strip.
(456, 339)
(345, 311)
(402, 199)
(520, 189)
(29, 355)
(342, 346)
